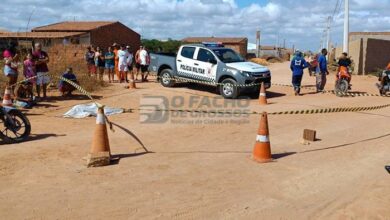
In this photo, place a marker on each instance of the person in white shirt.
(123, 55)
(143, 57)
(97, 54)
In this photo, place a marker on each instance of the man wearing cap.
(298, 64)
(41, 59)
(143, 57)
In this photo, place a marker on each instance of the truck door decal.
(192, 69)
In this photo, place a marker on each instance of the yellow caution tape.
(293, 112)
(75, 85)
(213, 83)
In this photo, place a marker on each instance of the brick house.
(97, 33)
(368, 50)
(239, 44)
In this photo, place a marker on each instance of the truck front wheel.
(166, 78)
(229, 89)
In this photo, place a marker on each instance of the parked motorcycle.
(14, 125)
(342, 81)
(384, 78)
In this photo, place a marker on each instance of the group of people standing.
(35, 68)
(118, 62)
(319, 65)
(35, 74)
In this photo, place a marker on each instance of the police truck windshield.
(228, 55)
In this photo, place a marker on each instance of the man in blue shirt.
(66, 88)
(323, 65)
(298, 64)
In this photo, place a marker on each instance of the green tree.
(169, 46)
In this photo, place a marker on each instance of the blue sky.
(300, 22)
(245, 3)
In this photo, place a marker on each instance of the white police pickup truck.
(210, 63)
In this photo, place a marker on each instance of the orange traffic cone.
(100, 153)
(7, 97)
(132, 84)
(262, 149)
(263, 95)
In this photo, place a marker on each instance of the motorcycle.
(342, 81)
(384, 78)
(14, 125)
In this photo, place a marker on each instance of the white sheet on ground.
(83, 111)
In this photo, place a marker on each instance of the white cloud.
(299, 22)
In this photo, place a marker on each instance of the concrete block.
(309, 135)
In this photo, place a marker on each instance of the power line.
(337, 8)
(325, 39)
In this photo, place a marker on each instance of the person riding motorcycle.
(344, 66)
(384, 77)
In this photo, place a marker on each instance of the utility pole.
(323, 40)
(258, 43)
(328, 33)
(284, 43)
(346, 27)
(328, 37)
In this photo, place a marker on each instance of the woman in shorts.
(11, 68)
(100, 64)
(109, 58)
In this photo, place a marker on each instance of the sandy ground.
(204, 171)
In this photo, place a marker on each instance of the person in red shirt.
(41, 59)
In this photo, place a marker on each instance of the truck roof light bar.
(213, 44)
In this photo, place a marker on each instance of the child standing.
(29, 69)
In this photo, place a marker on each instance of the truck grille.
(261, 74)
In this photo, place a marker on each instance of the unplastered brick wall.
(63, 56)
(377, 55)
(115, 33)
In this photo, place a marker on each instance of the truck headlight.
(246, 74)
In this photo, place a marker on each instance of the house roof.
(40, 35)
(3, 31)
(369, 33)
(268, 47)
(226, 40)
(74, 26)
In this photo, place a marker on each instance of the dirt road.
(203, 170)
